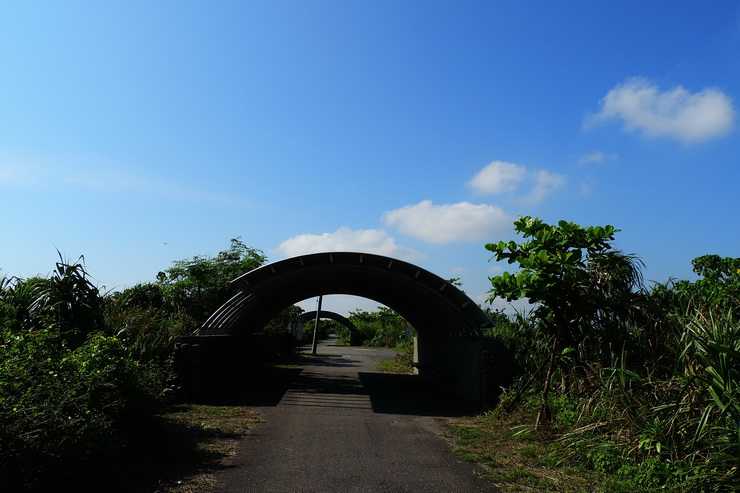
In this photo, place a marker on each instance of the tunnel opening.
(449, 348)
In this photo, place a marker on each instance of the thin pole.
(316, 325)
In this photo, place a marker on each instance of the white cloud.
(342, 304)
(347, 240)
(675, 113)
(497, 177)
(459, 270)
(450, 222)
(597, 157)
(545, 184)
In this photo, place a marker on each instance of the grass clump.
(402, 363)
(204, 439)
(512, 460)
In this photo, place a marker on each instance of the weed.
(401, 364)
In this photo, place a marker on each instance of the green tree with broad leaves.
(719, 283)
(578, 282)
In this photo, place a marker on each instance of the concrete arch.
(433, 306)
(354, 334)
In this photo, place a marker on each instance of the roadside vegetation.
(627, 387)
(83, 374)
(381, 328)
(620, 387)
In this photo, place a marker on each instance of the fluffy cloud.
(675, 113)
(346, 240)
(450, 222)
(544, 184)
(498, 177)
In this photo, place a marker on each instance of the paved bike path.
(343, 427)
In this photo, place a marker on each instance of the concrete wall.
(210, 366)
(476, 370)
(207, 367)
(451, 362)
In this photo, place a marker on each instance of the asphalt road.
(343, 427)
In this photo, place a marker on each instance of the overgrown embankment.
(634, 388)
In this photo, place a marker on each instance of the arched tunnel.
(354, 333)
(433, 306)
(449, 347)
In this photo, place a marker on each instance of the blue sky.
(139, 133)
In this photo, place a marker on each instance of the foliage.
(581, 286)
(199, 285)
(325, 327)
(78, 368)
(402, 363)
(71, 302)
(140, 318)
(642, 385)
(718, 285)
(16, 298)
(523, 336)
(382, 328)
(514, 462)
(60, 404)
(577, 280)
(67, 300)
(280, 339)
(65, 386)
(150, 317)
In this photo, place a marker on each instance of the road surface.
(343, 427)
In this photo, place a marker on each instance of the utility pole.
(316, 325)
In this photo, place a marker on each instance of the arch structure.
(354, 334)
(432, 305)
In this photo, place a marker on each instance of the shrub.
(384, 328)
(60, 406)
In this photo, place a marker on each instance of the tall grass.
(65, 385)
(675, 427)
(671, 421)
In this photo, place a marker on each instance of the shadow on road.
(265, 387)
(413, 395)
(388, 393)
(328, 384)
(330, 360)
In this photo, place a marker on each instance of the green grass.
(208, 432)
(517, 463)
(401, 364)
(177, 451)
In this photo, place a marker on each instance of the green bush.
(80, 370)
(384, 328)
(638, 383)
(60, 406)
(198, 286)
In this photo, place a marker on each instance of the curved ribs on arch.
(433, 306)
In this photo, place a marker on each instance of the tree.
(70, 301)
(576, 279)
(382, 328)
(719, 284)
(199, 285)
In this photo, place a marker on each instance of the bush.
(646, 388)
(60, 406)
(384, 328)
